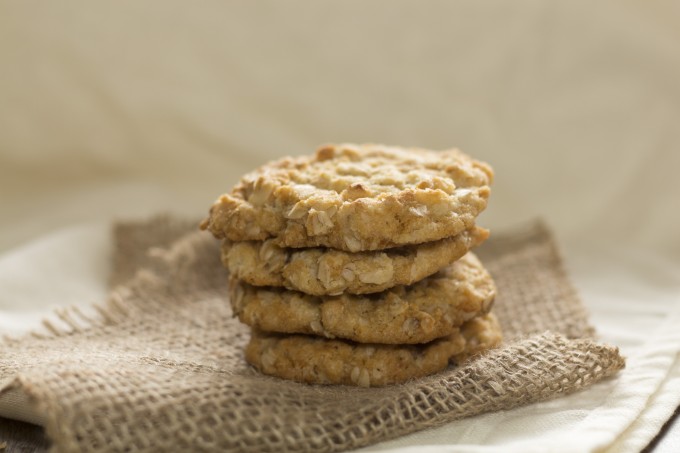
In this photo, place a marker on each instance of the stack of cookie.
(352, 266)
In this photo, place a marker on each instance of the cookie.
(316, 360)
(355, 198)
(429, 309)
(324, 271)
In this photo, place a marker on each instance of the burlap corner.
(135, 244)
(162, 367)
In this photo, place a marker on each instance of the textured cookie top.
(429, 309)
(324, 271)
(321, 361)
(355, 197)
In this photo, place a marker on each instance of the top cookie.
(355, 198)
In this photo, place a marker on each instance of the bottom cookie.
(317, 360)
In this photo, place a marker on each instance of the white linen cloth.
(131, 108)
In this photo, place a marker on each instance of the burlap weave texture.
(161, 367)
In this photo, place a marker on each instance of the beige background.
(127, 108)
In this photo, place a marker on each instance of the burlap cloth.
(161, 366)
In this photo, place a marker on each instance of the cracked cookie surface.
(324, 271)
(318, 360)
(429, 309)
(355, 198)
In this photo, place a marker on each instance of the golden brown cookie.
(318, 360)
(429, 309)
(355, 198)
(324, 271)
